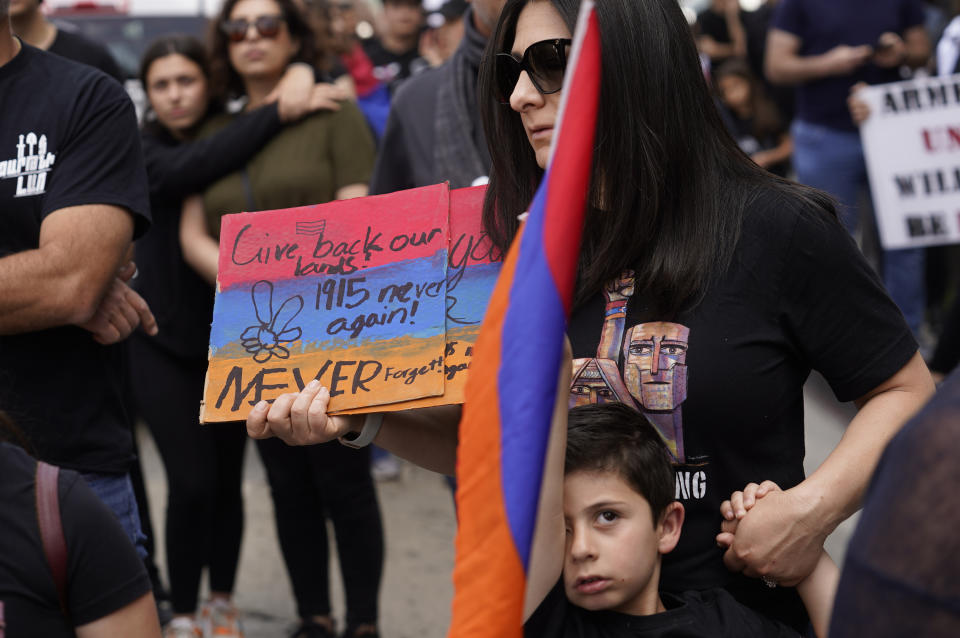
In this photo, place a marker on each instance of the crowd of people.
(709, 287)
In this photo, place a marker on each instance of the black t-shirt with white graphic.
(723, 383)
(104, 573)
(68, 137)
(707, 614)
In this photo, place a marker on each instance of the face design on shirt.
(655, 369)
(594, 382)
(613, 547)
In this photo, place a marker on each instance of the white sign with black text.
(911, 142)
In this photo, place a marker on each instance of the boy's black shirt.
(707, 614)
(798, 296)
(104, 573)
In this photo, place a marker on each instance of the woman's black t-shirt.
(104, 573)
(723, 383)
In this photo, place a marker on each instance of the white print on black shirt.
(30, 166)
(691, 485)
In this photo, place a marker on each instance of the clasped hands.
(767, 533)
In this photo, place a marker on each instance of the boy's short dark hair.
(614, 437)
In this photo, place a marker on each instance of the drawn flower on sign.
(273, 333)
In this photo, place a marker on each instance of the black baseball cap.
(439, 12)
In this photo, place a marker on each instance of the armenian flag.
(511, 389)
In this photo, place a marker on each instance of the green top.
(305, 163)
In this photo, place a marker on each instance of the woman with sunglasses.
(204, 521)
(736, 283)
(324, 157)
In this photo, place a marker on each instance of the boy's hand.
(739, 503)
(300, 418)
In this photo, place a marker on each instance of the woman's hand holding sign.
(300, 418)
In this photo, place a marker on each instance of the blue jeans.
(116, 491)
(832, 160)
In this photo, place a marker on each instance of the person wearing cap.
(444, 29)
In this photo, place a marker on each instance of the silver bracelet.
(371, 426)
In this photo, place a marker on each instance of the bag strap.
(51, 528)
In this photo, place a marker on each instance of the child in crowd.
(620, 518)
(752, 117)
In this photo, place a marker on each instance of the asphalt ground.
(420, 525)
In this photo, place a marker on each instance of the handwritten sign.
(472, 272)
(353, 293)
(911, 142)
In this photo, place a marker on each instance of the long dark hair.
(767, 121)
(669, 184)
(190, 48)
(225, 82)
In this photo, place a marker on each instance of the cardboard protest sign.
(353, 293)
(472, 272)
(911, 142)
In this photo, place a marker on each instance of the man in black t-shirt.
(32, 26)
(73, 195)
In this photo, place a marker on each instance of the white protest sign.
(911, 142)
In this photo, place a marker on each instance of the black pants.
(310, 484)
(204, 467)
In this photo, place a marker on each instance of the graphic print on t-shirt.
(30, 166)
(654, 378)
(655, 373)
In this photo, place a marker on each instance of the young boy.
(620, 517)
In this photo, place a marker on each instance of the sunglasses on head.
(267, 27)
(545, 63)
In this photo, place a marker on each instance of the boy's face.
(612, 558)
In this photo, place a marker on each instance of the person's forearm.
(781, 152)
(835, 490)
(796, 69)
(818, 591)
(738, 35)
(80, 250)
(200, 251)
(427, 436)
(37, 292)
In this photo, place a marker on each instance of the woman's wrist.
(815, 507)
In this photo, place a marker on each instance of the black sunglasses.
(267, 27)
(545, 62)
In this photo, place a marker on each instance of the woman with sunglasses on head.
(743, 279)
(324, 157)
(204, 521)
